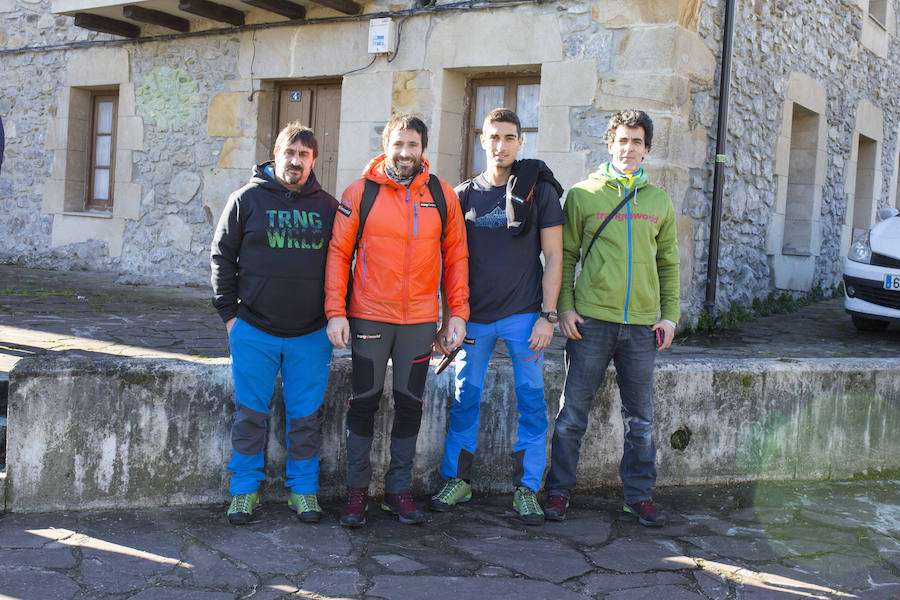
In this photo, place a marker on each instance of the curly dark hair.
(630, 118)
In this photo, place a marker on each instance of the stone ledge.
(125, 432)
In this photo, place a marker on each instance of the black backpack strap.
(605, 222)
(437, 194)
(365, 207)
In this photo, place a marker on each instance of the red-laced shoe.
(556, 507)
(354, 512)
(646, 513)
(403, 506)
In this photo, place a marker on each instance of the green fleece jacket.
(631, 275)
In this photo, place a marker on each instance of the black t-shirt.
(505, 271)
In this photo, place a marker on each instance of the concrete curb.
(127, 432)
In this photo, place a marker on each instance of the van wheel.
(864, 324)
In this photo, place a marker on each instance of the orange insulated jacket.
(400, 258)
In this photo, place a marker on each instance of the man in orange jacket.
(404, 256)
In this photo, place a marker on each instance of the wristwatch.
(551, 316)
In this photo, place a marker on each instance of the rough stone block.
(74, 228)
(222, 119)
(664, 93)
(97, 66)
(127, 203)
(217, 186)
(556, 131)
(130, 133)
(617, 15)
(684, 226)
(569, 83)
(568, 167)
(124, 165)
(237, 152)
(530, 37)
(694, 58)
(366, 97)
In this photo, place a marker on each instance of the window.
(521, 94)
(878, 11)
(801, 190)
(864, 196)
(104, 108)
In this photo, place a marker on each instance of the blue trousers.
(530, 449)
(256, 358)
(633, 350)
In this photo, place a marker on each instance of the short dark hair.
(293, 131)
(503, 115)
(399, 122)
(630, 118)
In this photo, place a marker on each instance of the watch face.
(551, 316)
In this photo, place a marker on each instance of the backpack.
(371, 190)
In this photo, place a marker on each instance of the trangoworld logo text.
(295, 229)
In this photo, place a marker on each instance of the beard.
(405, 169)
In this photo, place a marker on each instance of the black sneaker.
(354, 512)
(647, 513)
(556, 507)
(403, 506)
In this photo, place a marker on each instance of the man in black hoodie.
(268, 268)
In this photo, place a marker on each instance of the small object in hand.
(445, 362)
(660, 337)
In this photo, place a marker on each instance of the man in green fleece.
(624, 308)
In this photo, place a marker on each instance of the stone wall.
(124, 432)
(195, 113)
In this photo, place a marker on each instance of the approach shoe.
(403, 506)
(556, 507)
(354, 512)
(647, 513)
(240, 511)
(454, 491)
(307, 507)
(526, 504)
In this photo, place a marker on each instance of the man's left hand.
(668, 333)
(541, 334)
(450, 337)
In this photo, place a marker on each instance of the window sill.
(795, 252)
(96, 214)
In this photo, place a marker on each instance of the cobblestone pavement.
(752, 542)
(756, 542)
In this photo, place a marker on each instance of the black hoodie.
(268, 254)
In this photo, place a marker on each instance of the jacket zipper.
(628, 284)
(405, 304)
(362, 278)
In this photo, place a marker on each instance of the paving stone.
(713, 585)
(334, 584)
(604, 583)
(34, 531)
(533, 558)
(398, 564)
(274, 588)
(210, 569)
(35, 584)
(50, 558)
(163, 593)
(494, 571)
(590, 530)
(253, 548)
(745, 548)
(669, 592)
(329, 542)
(405, 587)
(846, 571)
(629, 556)
(789, 548)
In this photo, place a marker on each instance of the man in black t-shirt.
(512, 214)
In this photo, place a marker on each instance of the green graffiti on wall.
(167, 96)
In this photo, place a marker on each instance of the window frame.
(510, 83)
(92, 204)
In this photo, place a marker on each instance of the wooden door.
(317, 106)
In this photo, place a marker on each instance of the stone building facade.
(812, 138)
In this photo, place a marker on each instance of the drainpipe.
(715, 219)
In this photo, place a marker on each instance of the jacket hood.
(375, 171)
(264, 176)
(606, 175)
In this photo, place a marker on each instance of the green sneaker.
(307, 507)
(526, 504)
(241, 509)
(454, 490)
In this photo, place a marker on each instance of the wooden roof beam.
(156, 17)
(280, 7)
(106, 25)
(211, 10)
(348, 7)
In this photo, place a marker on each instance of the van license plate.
(892, 282)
